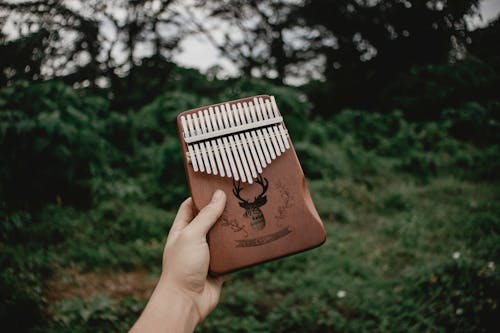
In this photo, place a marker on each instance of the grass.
(412, 215)
(361, 278)
(400, 256)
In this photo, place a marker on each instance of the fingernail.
(218, 195)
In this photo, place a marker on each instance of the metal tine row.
(241, 155)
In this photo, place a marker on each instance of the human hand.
(185, 295)
(186, 255)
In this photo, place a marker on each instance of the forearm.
(168, 310)
(185, 295)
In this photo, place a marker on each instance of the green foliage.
(20, 290)
(420, 164)
(90, 188)
(472, 119)
(456, 293)
(156, 120)
(98, 314)
(425, 91)
(480, 228)
(24, 268)
(394, 202)
(50, 144)
(90, 178)
(128, 235)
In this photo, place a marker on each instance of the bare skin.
(185, 295)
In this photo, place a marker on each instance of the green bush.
(22, 302)
(394, 202)
(475, 123)
(422, 165)
(50, 145)
(97, 314)
(157, 119)
(119, 235)
(426, 90)
(85, 186)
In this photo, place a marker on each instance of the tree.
(354, 46)
(84, 42)
(253, 35)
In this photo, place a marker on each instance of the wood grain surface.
(285, 224)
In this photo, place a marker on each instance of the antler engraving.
(252, 209)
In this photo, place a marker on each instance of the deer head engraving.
(252, 209)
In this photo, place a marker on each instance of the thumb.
(207, 217)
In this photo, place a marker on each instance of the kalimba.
(243, 148)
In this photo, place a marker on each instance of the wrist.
(167, 289)
(168, 310)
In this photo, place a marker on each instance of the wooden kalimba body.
(243, 148)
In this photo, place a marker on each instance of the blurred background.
(394, 110)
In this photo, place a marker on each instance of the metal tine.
(269, 146)
(202, 145)
(224, 153)
(197, 153)
(251, 118)
(186, 131)
(280, 127)
(242, 161)
(240, 120)
(267, 134)
(263, 144)
(243, 149)
(214, 150)
(233, 159)
(269, 130)
(270, 135)
(240, 116)
(210, 153)
(278, 137)
(275, 128)
(229, 153)
(245, 113)
(216, 144)
(284, 136)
